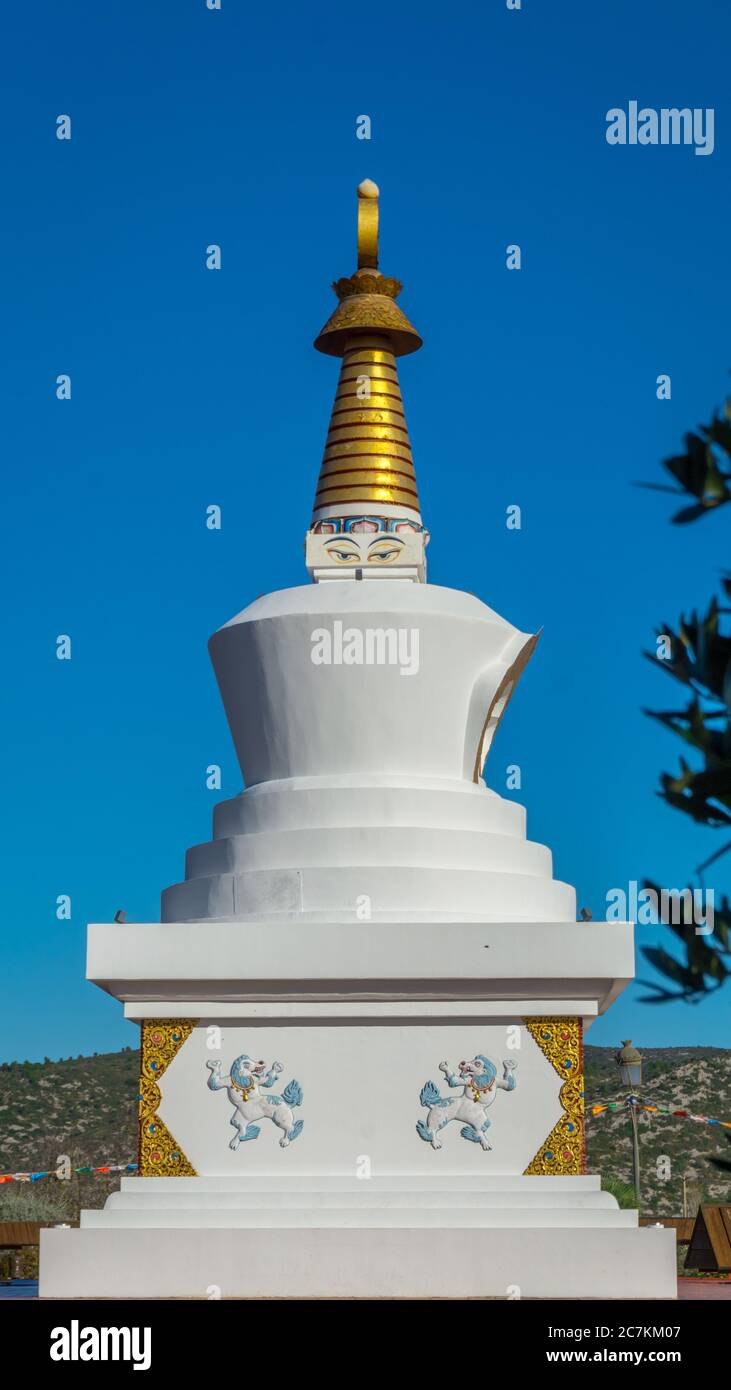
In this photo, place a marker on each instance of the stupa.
(362, 1011)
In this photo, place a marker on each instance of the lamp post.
(629, 1061)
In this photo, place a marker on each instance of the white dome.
(361, 794)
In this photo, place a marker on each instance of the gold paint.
(244, 1091)
(367, 415)
(361, 283)
(369, 478)
(367, 496)
(368, 225)
(372, 490)
(379, 399)
(383, 389)
(479, 1091)
(370, 348)
(364, 311)
(378, 371)
(367, 457)
(366, 472)
(377, 383)
(560, 1040)
(353, 431)
(344, 449)
(160, 1156)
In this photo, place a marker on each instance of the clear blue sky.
(193, 387)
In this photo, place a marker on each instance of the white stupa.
(362, 1011)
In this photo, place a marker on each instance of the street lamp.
(629, 1061)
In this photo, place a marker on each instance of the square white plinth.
(371, 1024)
(528, 1237)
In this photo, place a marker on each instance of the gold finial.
(368, 225)
(367, 463)
(367, 298)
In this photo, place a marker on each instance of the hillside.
(688, 1078)
(86, 1107)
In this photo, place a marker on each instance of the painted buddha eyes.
(385, 554)
(343, 557)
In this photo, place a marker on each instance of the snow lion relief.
(244, 1086)
(478, 1083)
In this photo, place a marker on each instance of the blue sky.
(192, 387)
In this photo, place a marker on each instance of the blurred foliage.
(723, 1164)
(699, 660)
(623, 1192)
(702, 967)
(703, 472)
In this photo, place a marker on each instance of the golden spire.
(368, 225)
(367, 464)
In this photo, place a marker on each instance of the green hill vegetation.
(697, 1079)
(82, 1107)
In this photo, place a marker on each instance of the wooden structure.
(710, 1245)
(15, 1235)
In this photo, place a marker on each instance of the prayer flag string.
(56, 1173)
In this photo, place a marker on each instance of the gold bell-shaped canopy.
(367, 298)
(367, 463)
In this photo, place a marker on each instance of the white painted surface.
(361, 778)
(361, 1089)
(415, 1262)
(476, 1011)
(397, 1200)
(229, 961)
(377, 1216)
(360, 786)
(431, 802)
(292, 718)
(482, 1192)
(335, 890)
(514, 1191)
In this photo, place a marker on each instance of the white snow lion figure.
(480, 1084)
(243, 1087)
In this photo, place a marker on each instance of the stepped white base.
(390, 1238)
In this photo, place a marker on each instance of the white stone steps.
(299, 803)
(271, 893)
(365, 1199)
(315, 1218)
(413, 847)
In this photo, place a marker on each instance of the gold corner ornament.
(160, 1156)
(561, 1041)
